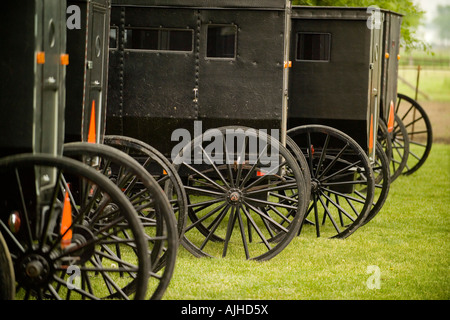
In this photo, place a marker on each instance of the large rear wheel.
(149, 201)
(246, 194)
(71, 232)
(419, 129)
(340, 171)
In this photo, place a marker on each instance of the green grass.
(433, 82)
(408, 241)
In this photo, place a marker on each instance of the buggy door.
(49, 129)
(241, 68)
(375, 82)
(96, 74)
(152, 72)
(392, 26)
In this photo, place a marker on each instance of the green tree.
(412, 16)
(442, 22)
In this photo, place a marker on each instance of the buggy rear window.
(313, 46)
(221, 41)
(159, 39)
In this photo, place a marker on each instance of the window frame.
(191, 31)
(312, 33)
(235, 42)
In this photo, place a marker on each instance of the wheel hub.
(34, 270)
(82, 236)
(234, 197)
(315, 185)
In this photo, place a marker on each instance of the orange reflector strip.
(66, 222)
(91, 134)
(391, 118)
(40, 57)
(288, 64)
(371, 134)
(64, 59)
(164, 171)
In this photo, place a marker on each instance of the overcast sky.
(430, 6)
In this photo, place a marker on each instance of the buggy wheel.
(7, 277)
(69, 224)
(400, 148)
(148, 200)
(384, 139)
(339, 170)
(243, 201)
(160, 168)
(303, 164)
(419, 130)
(382, 181)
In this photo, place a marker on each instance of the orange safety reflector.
(64, 59)
(66, 222)
(288, 64)
(398, 57)
(164, 171)
(387, 55)
(91, 133)
(391, 118)
(260, 173)
(40, 57)
(371, 134)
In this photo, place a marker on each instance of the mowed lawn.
(404, 253)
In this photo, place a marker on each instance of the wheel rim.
(382, 182)
(162, 171)
(101, 216)
(149, 202)
(342, 183)
(400, 148)
(419, 129)
(234, 209)
(7, 276)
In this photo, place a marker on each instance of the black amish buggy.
(56, 213)
(311, 76)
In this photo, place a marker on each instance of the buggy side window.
(221, 41)
(158, 39)
(313, 46)
(113, 40)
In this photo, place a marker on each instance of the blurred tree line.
(442, 22)
(412, 16)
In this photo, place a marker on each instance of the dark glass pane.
(313, 46)
(180, 40)
(221, 42)
(144, 39)
(159, 39)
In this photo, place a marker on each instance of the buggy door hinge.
(195, 95)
